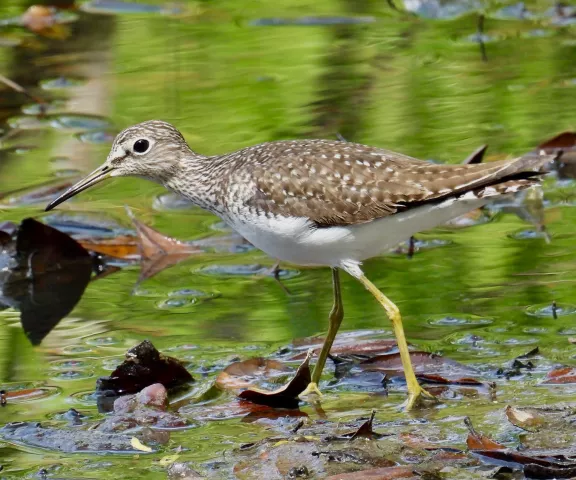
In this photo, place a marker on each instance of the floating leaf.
(242, 374)
(523, 418)
(346, 346)
(123, 246)
(286, 396)
(138, 445)
(560, 376)
(365, 430)
(427, 366)
(477, 441)
(383, 473)
(158, 251)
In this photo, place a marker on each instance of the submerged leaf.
(157, 251)
(138, 445)
(242, 374)
(383, 473)
(123, 246)
(524, 419)
(477, 441)
(560, 376)
(428, 367)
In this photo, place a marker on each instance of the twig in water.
(20, 89)
(481, 38)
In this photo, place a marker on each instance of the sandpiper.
(317, 202)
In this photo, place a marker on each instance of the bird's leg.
(416, 394)
(335, 319)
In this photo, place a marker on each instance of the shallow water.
(230, 74)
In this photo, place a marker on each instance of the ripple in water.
(245, 270)
(96, 137)
(68, 364)
(549, 310)
(60, 83)
(459, 320)
(72, 375)
(104, 341)
(529, 234)
(79, 122)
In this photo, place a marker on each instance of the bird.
(326, 203)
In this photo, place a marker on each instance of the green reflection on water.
(404, 83)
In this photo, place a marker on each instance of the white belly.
(296, 240)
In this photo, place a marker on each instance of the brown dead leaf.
(477, 441)
(286, 396)
(346, 346)
(124, 246)
(364, 431)
(428, 367)
(384, 473)
(44, 21)
(157, 251)
(243, 374)
(26, 394)
(560, 376)
(524, 418)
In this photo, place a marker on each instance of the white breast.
(297, 240)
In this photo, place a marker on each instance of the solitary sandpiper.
(317, 202)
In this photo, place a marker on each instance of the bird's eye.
(141, 146)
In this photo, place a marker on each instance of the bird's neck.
(201, 180)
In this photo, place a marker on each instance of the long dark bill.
(95, 177)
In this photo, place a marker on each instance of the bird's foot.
(311, 389)
(419, 398)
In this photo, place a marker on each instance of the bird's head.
(153, 150)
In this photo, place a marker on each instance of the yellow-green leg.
(335, 319)
(416, 394)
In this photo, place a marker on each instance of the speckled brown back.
(340, 183)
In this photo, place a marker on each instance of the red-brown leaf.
(560, 376)
(286, 396)
(384, 473)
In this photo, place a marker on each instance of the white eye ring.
(142, 146)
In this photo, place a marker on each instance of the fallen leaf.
(124, 246)
(243, 374)
(286, 396)
(45, 278)
(138, 445)
(427, 366)
(345, 346)
(364, 431)
(524, 419)
(560, 376)
(168, 460)
(544, 472)
(144, 366)
(157, 251)
(477, 441)
(384, 473)
(26, 394)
